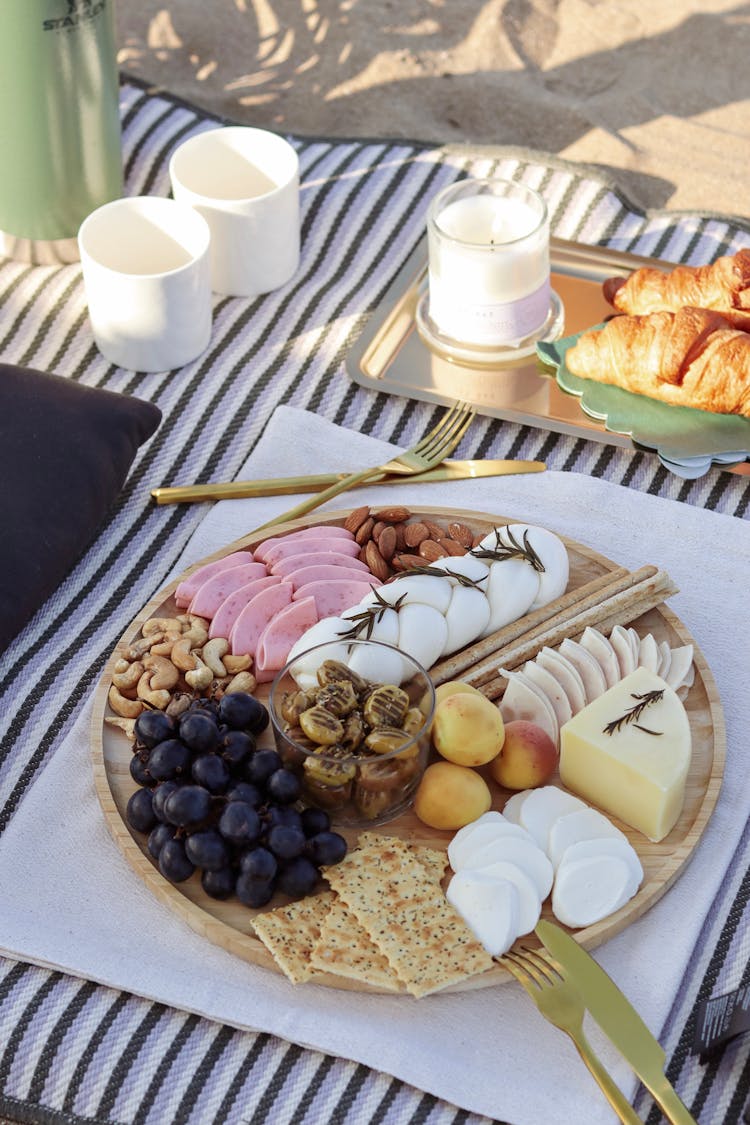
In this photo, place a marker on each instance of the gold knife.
(616, 1017)
(284, 486)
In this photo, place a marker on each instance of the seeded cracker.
(290, 933)
(433, 860)
(344, 949)
(408, 918)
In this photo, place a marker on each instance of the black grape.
(242, 711)
(169, 759)
(283, 814)
(298, 877)
(315, 821)
(237, 746)
(206, 849)
(199, 731)
(211, 771)
(188, 805)
(239, 823)
(139, 770)
(244, 791)
(283, 786)
(252, 892)
(153, 726)
(259, 864)
(327, 848)
(260, 766)
(158, 837)
(162, 791)
(219, 884)
(140, 811)
(173, 862)
(286, 843)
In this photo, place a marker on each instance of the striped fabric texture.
(73, 1051)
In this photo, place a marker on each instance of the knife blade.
(617, 1018)
(284, 486)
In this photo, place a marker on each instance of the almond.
(377, 528)
(435, 530)
(356, 518)
(364, 532)
(377, 564)
(387, 542)
(399, 528)
(461, 533)
(431, 551)
(414, 533)
(407, 561)
(392, 515)
(451, 547)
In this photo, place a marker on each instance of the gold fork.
(559, 1002)
(428, 452)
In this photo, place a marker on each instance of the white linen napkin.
(71, 901)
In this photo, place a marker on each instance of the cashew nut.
(182, 655)
(127, 726)
(163, 672)
(161, 625)
(164, 648)
(235, 664)
(198, 632)
(143, 645)
(243, 681)
(200, 677)
(212, 653)
(157, 697)
(179, 702)
(128, 708)
(125, 676)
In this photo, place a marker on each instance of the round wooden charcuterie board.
(229, 924)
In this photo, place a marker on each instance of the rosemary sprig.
(510, 550)
(366, 620)
(440, 572)
(634, 713)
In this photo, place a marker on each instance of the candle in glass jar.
(489, 271)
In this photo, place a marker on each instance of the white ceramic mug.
(146, 272)
(245, 183)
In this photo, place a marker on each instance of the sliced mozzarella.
(529, 901)
(423, 632)
(589, 668)
(511, 589)
(423, 589)
(522, 699)
(490, 908)
(552, 552)
(567, 675)
(525, 853)
(665, 659)
(466, 617)
(587, 890)
(601, 649)
(572, 827)
(465, 565)
(635, 642)
(541, 809)
(648, 653)
(551, 687)
(512, 809)
(681, 670)
(380, 665)
(620, 642)
(610, 845)
(476, 836)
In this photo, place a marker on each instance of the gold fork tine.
(559, 1002)
(455, 414)
(449, 435)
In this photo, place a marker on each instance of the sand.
(656, 93)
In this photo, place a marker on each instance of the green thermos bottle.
(60, 152)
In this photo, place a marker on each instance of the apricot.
(450, 796)
(467, 729)
(528, 758)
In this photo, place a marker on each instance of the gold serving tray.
(391, 356)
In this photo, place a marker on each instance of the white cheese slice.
(541, 809)
(621, 643)
(512, 807)
(566, 674)
(601, 649)
(522, 699)
(610, 845)
(526, 854)
(589, 668)
(571, 828)
(473, 837)
(489, 907)
(639, 770)
(648, 653)
(587, 890)
(551, 688)
(529, 901)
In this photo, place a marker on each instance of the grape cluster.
(210, 799)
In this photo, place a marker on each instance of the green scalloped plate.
(687, 441)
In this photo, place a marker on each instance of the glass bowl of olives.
(353, 721)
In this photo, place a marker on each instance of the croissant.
(724, 286)
(692, 357)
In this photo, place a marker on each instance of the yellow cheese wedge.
(631, 763)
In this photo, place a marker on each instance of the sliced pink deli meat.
(283, 631)
(255, 616)
(301, 547)
(223, 620)
(327, 532)
(332, 598)
(186, 589)
(320, 558)
(211, 593)
(323, 572)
